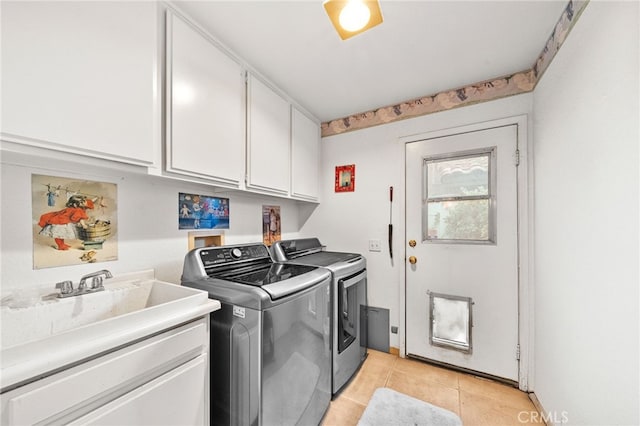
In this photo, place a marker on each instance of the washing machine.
(270, 356)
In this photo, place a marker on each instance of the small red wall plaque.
(345, 178)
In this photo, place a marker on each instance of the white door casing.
(487, 273)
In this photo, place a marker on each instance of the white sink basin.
(51, 332)
(55, 315)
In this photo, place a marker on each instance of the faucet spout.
(67, 290)
(96, 282)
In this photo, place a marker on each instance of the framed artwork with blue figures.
(202, 212)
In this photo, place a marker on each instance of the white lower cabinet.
(175, 398)
(162, 380)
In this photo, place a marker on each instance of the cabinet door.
(268, 142)
(79, 390)
(305, 156)
(82, 77)
(205, 107)
(179, 398)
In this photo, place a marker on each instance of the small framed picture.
(202, 212)
(271, 225)
(345, 178)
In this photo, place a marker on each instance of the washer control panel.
(212, 256)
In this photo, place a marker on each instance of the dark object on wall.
(378, 328)
(390, 222)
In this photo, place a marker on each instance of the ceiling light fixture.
(352, 17)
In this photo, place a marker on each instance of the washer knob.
(236, 253)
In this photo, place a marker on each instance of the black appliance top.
(263, 274)
(249, 272)
(299, 247)
(308, 251)
(325, 258)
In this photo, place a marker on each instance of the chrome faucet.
(96, 282)
(66, 287)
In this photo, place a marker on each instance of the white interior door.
(462, 289)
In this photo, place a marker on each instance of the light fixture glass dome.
(354, 16)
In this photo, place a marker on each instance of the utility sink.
(51, 332)
(139, 298)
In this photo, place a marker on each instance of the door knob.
(413, 260)
(412, 243)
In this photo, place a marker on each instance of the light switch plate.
(375, 245)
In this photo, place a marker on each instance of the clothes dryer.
(349, 301)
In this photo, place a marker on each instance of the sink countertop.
(39, 358)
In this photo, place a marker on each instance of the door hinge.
(518, 352)
(517, 157)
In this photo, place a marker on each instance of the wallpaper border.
(514, 84)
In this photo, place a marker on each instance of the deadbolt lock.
(413, 260)
(412, 243)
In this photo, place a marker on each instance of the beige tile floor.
(477, 401)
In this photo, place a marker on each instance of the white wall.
(586, 220)
(148, 234)
(347, 221)
(585, 144)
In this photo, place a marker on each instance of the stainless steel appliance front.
(349, 301)
(350, 327)
(270, 342)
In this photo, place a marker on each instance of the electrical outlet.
(394, 329)
(375, 245)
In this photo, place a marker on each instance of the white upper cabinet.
(82, 77)
(268, 139)
(305, 156)
(205, 127)
(87, 78)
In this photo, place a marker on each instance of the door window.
(459, 198)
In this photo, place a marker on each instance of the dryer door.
(349, 307)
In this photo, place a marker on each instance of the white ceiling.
(421, 48)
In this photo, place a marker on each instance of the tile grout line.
(354, 401)
(393, 366)
(459, 396)
(387, 367)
